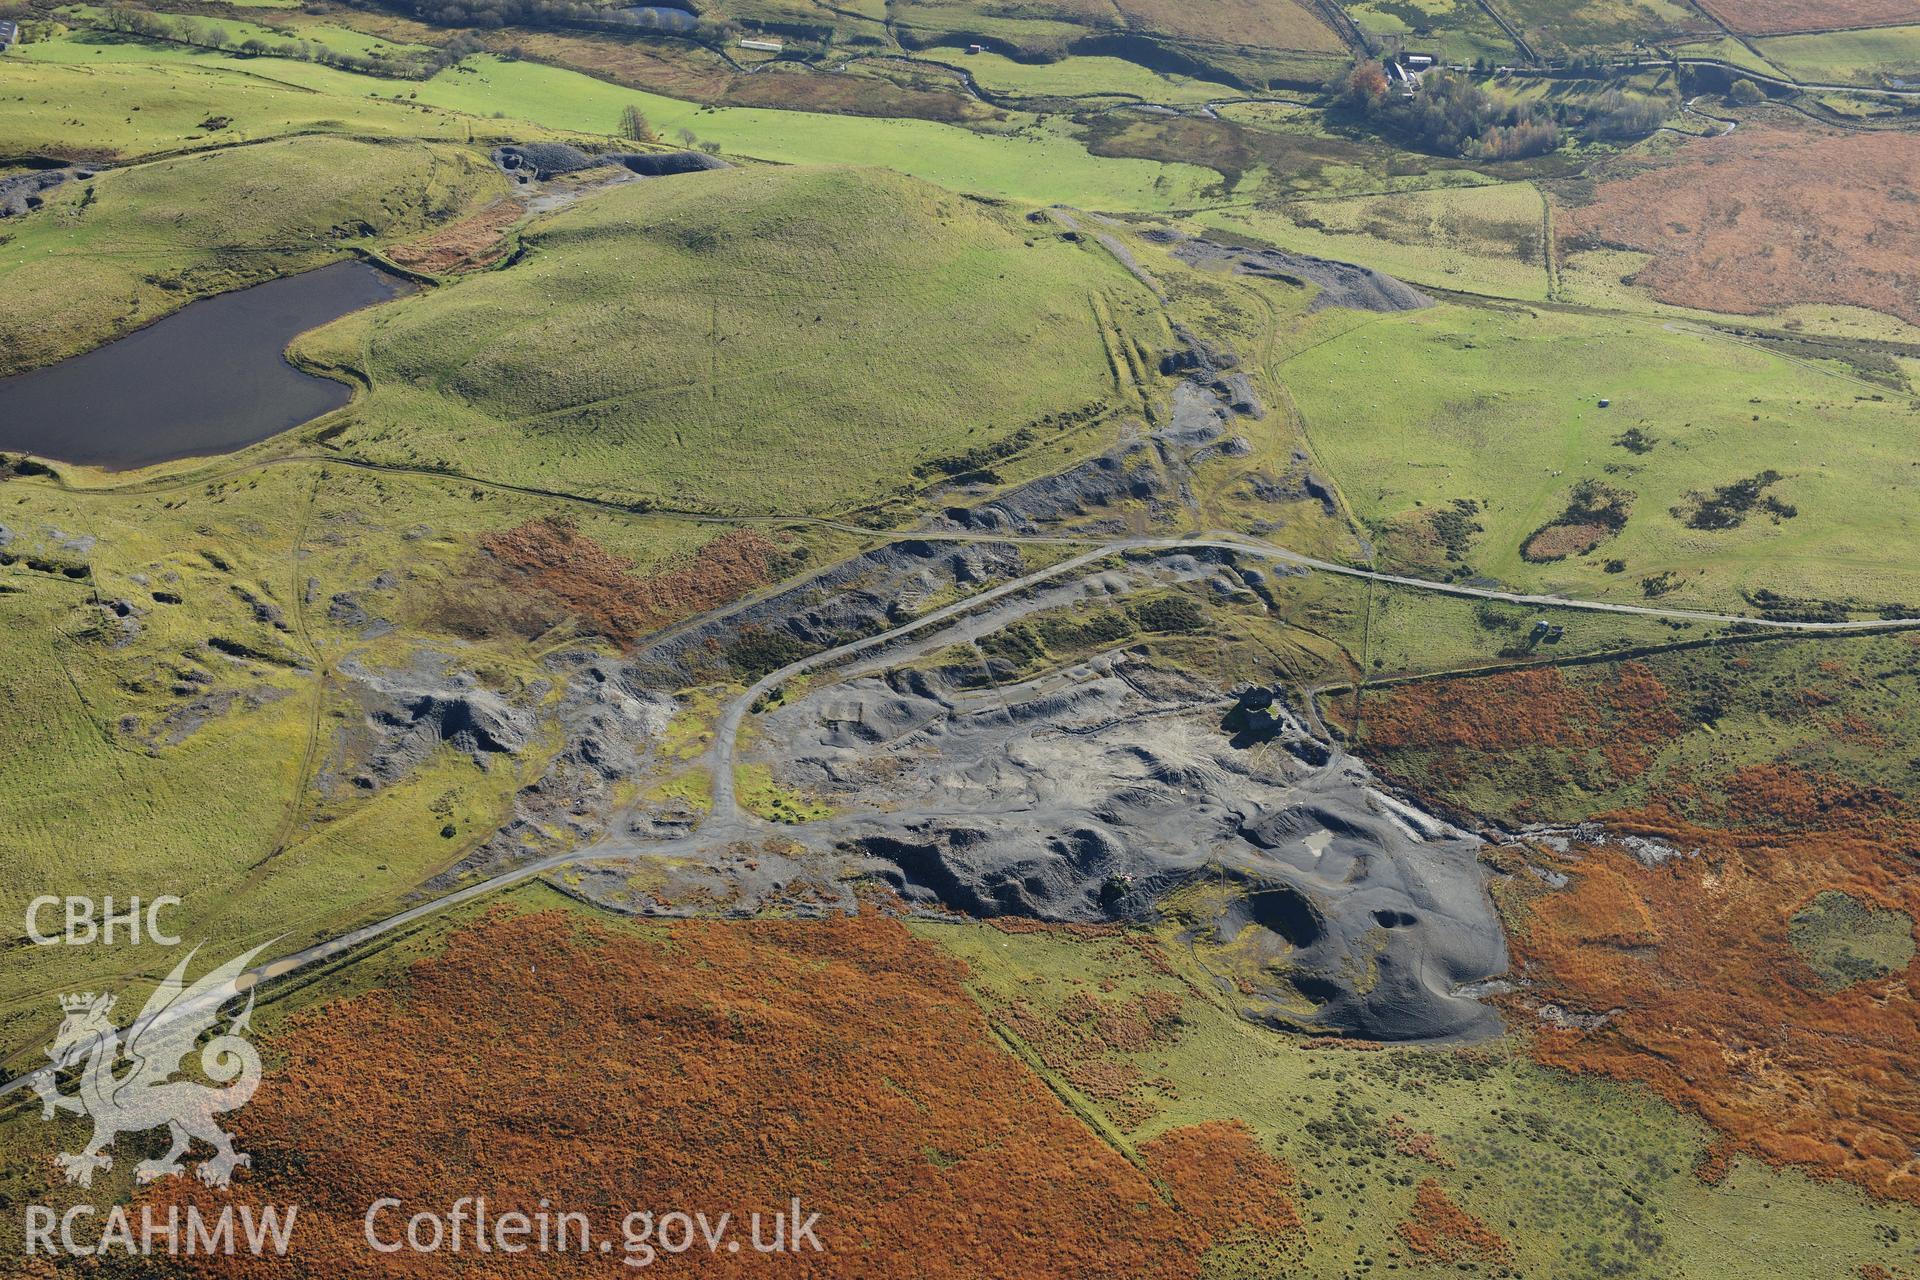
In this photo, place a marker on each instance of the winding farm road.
(725, 822)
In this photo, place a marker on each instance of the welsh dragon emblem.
(128, 1085)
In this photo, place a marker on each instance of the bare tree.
(633, 125)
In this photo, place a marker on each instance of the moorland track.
(1213, 540)
(297, 606)
(725, 823)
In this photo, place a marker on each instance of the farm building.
(9, 34)
(762, 46)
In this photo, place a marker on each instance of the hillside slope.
(751, 340)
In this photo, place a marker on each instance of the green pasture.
(1038, 160)
(1590, 26)
(1873, 57)
(1412, 411)
(1083, 77)
(106, 97)
(1453, 30)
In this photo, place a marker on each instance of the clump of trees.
(635, 125)
(1517, 141)
(1616, 115)
(1452, 114)
(1448, 115)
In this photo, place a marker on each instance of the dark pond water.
(209, 378)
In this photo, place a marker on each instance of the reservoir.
(210, 378)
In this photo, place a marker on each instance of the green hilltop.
(700, 342)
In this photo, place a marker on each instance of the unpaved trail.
(725, 815)
(720, 756)
(297, 606)
(726, 822)
(1216, 540)
(1224, 541)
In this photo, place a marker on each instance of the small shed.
(9, 34)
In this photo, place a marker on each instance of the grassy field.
(1501, 407)
(1463, 32)
(695, 342)
(1848, 57)
(1479, 239)
(859, 307)
(1327, 632)
(1453, 30)
(1553, 27)
(106, 98)
(281, 35)
(111, 254)
(1250, 42)
(1083, 77)
(1580, 1178)
(1112, 164)
(145, 725)
(1729, 50)
(1417, 633)
(1047, 27)
(1270, 24)
(132, 97)
(342, 39)
(1034, 160)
